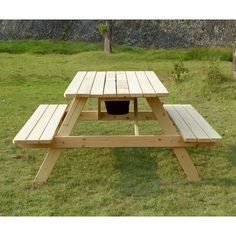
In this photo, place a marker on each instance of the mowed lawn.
(114, 181)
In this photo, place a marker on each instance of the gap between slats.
(205, 136)
(205, 126)
(28, 124)
(35, 133)
(75, 84)
(183, 128)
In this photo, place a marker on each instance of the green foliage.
(47, 46)
(102, 28)
(69, 47)
(214, 74)
(179, 72)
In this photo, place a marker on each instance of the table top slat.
(122, 84)
(145, 84)
(87, 83)
(134, 87)
(116, 84)
(110, 84)
(75, 84)
(156, 83)
(98, 84)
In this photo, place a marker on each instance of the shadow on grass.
(137, 172)
(223, 182)
(232, 154)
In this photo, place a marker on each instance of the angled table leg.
(169, 128)
(67, 125)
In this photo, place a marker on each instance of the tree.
(234, 63)
(106, 31)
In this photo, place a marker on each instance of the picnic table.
(51, 124)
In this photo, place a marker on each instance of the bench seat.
(42, 125)
(192, 126)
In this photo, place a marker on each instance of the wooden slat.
(202, 122)
(87, 83)
(30, 124)
(156, 83)
(145, 84)
(122, 84)
(192, 124)
(98, 84)
(120, 141)
(75, 84)
(42, 124)
(134, 87)
(110, 84)
(184, 129)
(50, 130)
(93, 115)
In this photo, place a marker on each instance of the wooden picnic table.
(50, 125)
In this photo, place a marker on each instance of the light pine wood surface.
(116, 84)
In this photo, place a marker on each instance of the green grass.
(46, 46)
(119, 181)
(69, 47)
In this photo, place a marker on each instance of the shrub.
(214, 73)
(179, 72)
(102, 28)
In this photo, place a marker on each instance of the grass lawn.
(118, 181)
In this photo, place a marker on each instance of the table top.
(122, 84)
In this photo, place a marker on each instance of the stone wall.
(144, 33)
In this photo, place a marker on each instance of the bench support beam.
(169, 128)
(117, 141)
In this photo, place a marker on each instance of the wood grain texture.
(116, 84)
(192, 126)
(74, 86)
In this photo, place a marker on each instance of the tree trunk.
(107, 39)
(234, 63)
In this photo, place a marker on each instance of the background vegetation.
(119, 181)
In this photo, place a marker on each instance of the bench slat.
(192, 124)
(189, 122)
(30, 124)
(202, 122)
(186, 133)
(50, 130)
(42, 124)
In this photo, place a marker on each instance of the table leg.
(136, 130)
(67, 125)
(99, 108)
(169, 128)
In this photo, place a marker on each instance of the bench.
(191, 125)
(42, 125)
